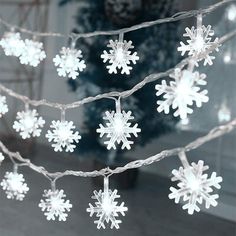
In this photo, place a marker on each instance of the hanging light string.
(213, 134)
(176, 17)
(114, 94)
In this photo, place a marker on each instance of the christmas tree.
(156, 47)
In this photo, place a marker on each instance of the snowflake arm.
(28, 123)
(194, 187)
(198, 42)
(63, 136)
(69, 62)
(33, 53)
(14, 185)
(119, 56)
(3, 106)
(106, 207)
(55, 206)
(12, 44)
(118, 129)
(181, 93)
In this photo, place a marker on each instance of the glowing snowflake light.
(119, 56)
(69, 62)
(194, 187)
(106, 207)
(12, 44)
(33, 53)
(182, 92)
(199, 42)
(63, 136)
(55, 206)
(3, 106)
(118, 129)
(28, 123)
(14, 186)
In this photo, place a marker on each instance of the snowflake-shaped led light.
(118, 129)
(63, 136)
(106, 207)
(28, 123)
(33, 53)
(3, 106)
(14, 186)
(55, 206)
(12, 44)
(199, 42)
(69, 62)
(194, 187)
(119, 56)
(182, 92)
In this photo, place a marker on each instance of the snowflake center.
(199, 43)
(63, 133)
(69, 63)
(15, 184)
(55, 203)
(28, 122)
(118, 125)
(13, 43)
(120, 54)
(192, 181)
(107, 205)
(32, 52)
(183, 89)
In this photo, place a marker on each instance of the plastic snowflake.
(69, 62)
(199, 42)
(54, 205)
(33, 53)
(14, 186)
(63, 136)
(3, 106)
(119, 56)
(106, 208)
(182, 92)
(194, 187)
(118, 129)
(12, 44)
(28, 123)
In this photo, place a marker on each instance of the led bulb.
(227, 58)
(192, 181)
(118, 125)
(106, 205)
(120, 54)
(199, 43)
(231, 13)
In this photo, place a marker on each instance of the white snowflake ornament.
(12, 44)
(63, 136)
(69, 62)
(28, 123)
(181, 93)
(199, 42)
(3, 106)
(106, 207)
(14, 185)
(119, 56)
(194, 187)
(33, 53)
(55, 206)
(118, 128)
